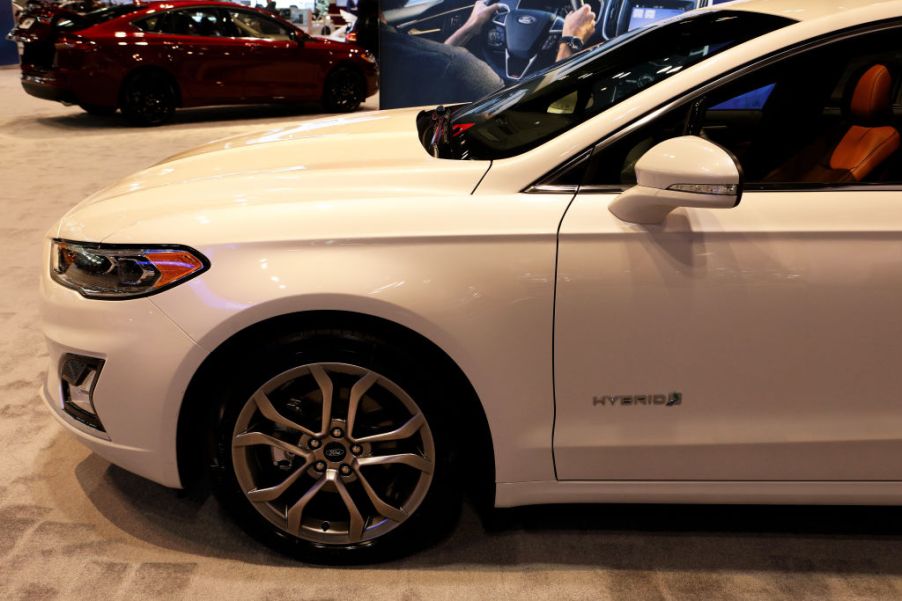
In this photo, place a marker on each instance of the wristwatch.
(573, 43)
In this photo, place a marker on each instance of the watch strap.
(574, 43)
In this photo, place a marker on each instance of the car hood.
(373, 155)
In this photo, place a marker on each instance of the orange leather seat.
(866, 145)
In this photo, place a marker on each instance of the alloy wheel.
(343, 91)
(149, 100)
(333, 453)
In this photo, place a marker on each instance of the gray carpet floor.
(74, 527)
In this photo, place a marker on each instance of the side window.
(252, 25)
(200, 22)
(614, 165)
(747, 101)
(151, 23)
(792, 124)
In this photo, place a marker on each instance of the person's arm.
(578, 24)
(480, 15)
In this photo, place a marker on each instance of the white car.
(569, 303)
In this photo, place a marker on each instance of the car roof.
(805, 10)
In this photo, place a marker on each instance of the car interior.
(795, 124)
(210, 22)
(522, 117)
(438, 19)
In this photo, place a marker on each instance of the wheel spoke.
(249, 439)
(384, 509)
(411, 427)
(325, 385)
(357, 391)
(296, 511)
(260, 495)
(272, 414)
(414, 461)
(356, 523)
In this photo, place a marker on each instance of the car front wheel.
(330, 446)
(343, 91)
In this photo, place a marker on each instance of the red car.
(148, 59)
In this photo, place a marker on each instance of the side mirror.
(688, 171)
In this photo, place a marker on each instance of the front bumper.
(148, 363)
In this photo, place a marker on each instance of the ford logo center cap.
(334, 452)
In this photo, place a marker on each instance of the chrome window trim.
(540, 187)
(603, 189)
(550, 189)
(543, 184)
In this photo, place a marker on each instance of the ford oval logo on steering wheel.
(526, 20)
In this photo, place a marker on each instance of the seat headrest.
(872, 94)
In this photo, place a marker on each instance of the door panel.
(209, 70)
(192, 44)
(779, 323)
(281, 70)
(279, 67)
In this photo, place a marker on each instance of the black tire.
(97, 110)
(428, 519)
(149, 99)
(343, 91)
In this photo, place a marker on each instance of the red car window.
(252, 25)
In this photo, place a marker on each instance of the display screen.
(644, 14)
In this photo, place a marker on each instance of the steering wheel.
(525, 35)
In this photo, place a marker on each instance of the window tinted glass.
(523, 116)
(252, 25)
(790, 124)
(201, 22)
(747, 101)
(96, 17)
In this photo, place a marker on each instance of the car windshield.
(521, 117)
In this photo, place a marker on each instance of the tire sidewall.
(337, 75)
(150, 79)
(435, 514)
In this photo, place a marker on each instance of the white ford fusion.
(668, 269)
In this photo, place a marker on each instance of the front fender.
(486, 302)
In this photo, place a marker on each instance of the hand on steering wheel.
(579, 24)
(526, 34)
(482, 13)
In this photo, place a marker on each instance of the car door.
(278, 66)
(192, 43)
(758, 343)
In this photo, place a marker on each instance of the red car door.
(194, 44)
(278, 66)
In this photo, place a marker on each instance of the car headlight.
(107, 271)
